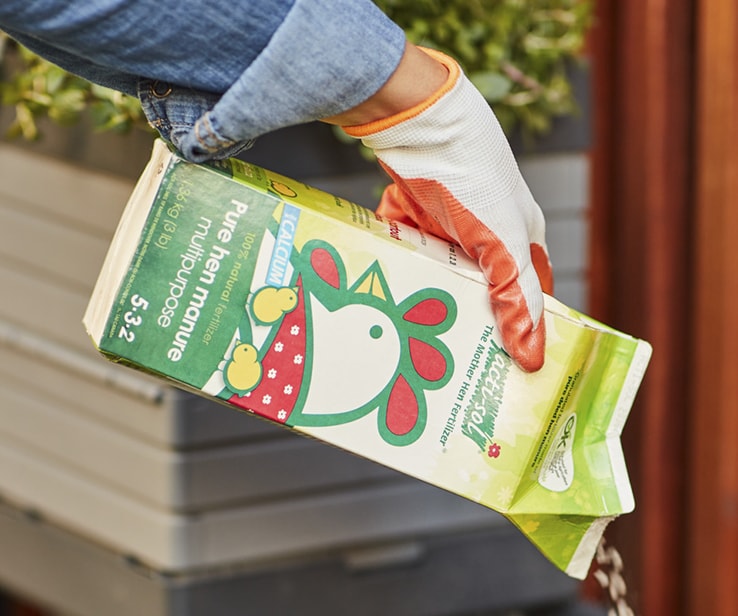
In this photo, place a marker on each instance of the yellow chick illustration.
(243, 371)
(270, 303)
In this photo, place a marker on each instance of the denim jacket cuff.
(325, 58)
(181, 115)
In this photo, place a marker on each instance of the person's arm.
(456, 177)
(228, 80)
(231, 71)
(417, 77)
(200, 45)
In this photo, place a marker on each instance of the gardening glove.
(455, 177)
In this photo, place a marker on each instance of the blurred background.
(121, 496)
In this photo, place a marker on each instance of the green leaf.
(493, 86)
(25, 123)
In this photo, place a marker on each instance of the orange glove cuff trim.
(362, 130)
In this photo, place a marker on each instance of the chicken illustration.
(335, 352)
(269, 304)
(243, 371)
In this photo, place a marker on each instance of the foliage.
(515, 51)
(36, 88)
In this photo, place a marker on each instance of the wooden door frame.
(640, 265)
(712, 541)
(664, 223)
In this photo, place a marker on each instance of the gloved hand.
(455, 176)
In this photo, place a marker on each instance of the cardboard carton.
(312, 312)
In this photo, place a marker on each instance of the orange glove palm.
(455, 176)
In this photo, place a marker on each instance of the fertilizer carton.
(286, 302)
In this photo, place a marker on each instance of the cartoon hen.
(334, 353)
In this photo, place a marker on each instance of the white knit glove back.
(455, 176)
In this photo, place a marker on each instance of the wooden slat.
(181, 421)
(91, 200)
(713, 451)
(640, 262)
(62, 252)
(247, 535)
(44, 307)
(200, 480)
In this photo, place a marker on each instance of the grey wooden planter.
(184, 507)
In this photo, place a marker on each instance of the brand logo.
(484, 405)
(557, 471)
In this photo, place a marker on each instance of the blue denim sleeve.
(194, 44)
(326, 57)
(214, 76)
